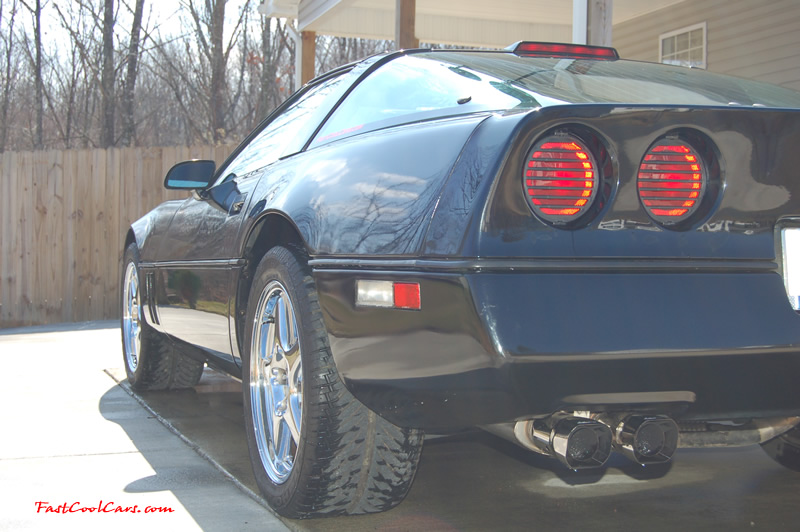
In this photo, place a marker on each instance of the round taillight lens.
(561, 179)
(672, 181)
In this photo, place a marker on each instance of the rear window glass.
(438, 84)
(585, 81)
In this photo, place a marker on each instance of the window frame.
(368, 76)
(223, 171)
(686, 29)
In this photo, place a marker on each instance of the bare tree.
(80, 77)
(273, 85)
(69, 74)
(209, 26)
(36, 61)
(337, 51)
(217, 58)
(9, 70)
(112, 73)
(108, 76)
(132, 70)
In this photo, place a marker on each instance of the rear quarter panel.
(371, 194)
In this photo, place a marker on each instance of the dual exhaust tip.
(581, 443)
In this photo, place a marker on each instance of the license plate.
(790, 241)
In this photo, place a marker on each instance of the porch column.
(405, 17)
(309, 53)
(592, 22)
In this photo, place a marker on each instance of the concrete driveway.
(70, 434)
(72, 439)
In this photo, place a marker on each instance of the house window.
(685, 47)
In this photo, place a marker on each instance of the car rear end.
(597, 271)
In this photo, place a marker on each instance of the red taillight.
(561, 179)
(388, 294)
(671, 181)
(546, 49)
(406, 295)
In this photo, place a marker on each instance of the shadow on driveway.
(178, 469)
(72, 438)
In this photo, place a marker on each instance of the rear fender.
(371, 194)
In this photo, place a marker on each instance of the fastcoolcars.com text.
(101, 508)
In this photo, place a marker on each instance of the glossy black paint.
(689, 299)
(519, 318)
(372, 194)
(193, 266)
(754, 148)
(492, 346)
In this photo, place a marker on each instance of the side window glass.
(285, 134)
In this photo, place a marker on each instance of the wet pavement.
(475, 481)
(187, 449)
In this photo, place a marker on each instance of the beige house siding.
(756, 39)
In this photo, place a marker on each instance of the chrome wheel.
(276, 382)
(131, 325)
(324, 454)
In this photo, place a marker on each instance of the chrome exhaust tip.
(579, 443)
(647, 439)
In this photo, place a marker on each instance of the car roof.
(578, 78)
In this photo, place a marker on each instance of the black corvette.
(579, 253)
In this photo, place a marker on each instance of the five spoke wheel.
(315, 449)
(276, 381)
(131, 326)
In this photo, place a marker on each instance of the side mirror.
(190, 175)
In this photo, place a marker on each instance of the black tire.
(348, 460)
(154, 364)
(785, 449)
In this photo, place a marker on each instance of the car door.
(199, 258)
(195, 271)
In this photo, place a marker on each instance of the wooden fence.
(63, 219)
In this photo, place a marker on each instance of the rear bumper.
(491, 347)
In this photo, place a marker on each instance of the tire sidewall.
(274, 267)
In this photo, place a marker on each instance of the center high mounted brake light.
(578, 51)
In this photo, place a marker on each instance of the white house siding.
(756, 39)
